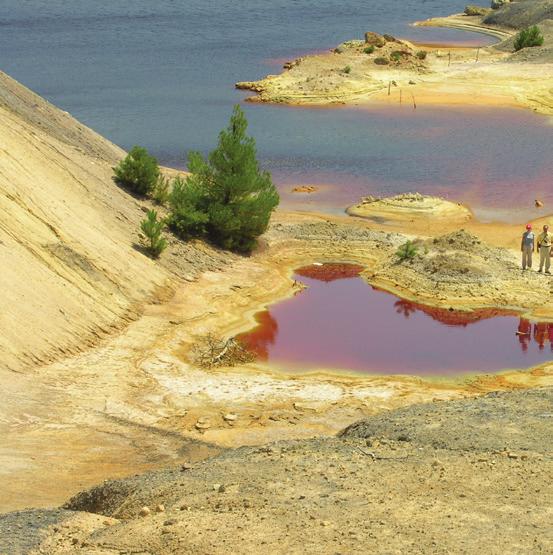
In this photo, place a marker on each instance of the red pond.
(340, 322)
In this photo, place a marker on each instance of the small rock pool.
(340, 322)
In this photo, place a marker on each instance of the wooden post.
(449, 61)
(414, 102)
(477, 53)
(389, 87)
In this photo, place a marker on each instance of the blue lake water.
(161, 74)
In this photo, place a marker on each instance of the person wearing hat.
(527, 247)
(545, 240)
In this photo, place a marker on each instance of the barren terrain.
(97, 407)
(468, 476)
(99, 379)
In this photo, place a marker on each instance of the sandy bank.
(410, 206)
(463, 22)
(71, 273)
(394, 73)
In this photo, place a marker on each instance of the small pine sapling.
(152, 228)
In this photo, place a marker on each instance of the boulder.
(496, 4)
(374, 39)
(476, 10)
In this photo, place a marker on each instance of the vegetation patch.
(407, 251)
(381, 61)
(477, 10)
(398, 55)
(210, 351)
(152, 229)
(531, 36)
(138, 171)
(161, 190)
(226, 197)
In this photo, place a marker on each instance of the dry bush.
(210, 351)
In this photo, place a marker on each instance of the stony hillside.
(467, 476)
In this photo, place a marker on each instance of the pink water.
(340, 322)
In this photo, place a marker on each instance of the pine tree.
(152, 228)
(138, 171)
(228, 193)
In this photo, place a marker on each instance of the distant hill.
(518, 15)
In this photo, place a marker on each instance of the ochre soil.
(466, 476)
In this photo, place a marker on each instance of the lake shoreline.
(446, 76)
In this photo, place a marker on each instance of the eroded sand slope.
(69, 270)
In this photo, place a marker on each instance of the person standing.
(544, 246)
(527, 246)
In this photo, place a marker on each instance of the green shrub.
(407, 251)
(138, 171)
(226, 197)
(189, 208)
(160, 192)
(347, 69)
(530, 36)
(369, 49)
(381, 61)
(421, 54)
(396, 56)
(152, 228)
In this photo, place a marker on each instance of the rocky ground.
(459, 269)
(466, 476)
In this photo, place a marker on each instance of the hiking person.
(544, 246)
(527, 247)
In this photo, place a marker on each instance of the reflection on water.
(541, 333)
(339, 321)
